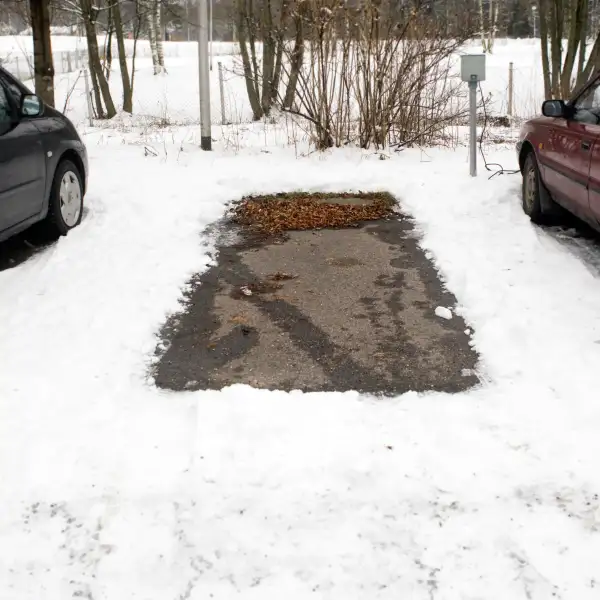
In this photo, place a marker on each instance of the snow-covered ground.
(112, 489)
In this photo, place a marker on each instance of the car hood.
(540, 120)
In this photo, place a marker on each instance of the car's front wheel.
(66, 199)
(532, 203)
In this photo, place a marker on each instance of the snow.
(114, 489)
(443, 312)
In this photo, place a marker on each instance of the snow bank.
(114, 489)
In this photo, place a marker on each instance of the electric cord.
(500, 170)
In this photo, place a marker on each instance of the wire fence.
(21, 64)
(173, 98)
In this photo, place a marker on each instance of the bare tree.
(127, 84)
(89, 13)
(488, 24)
(296, 59)
(263, 25)
(152, 12)
(566, 66)
(42, 50)
(378, 74)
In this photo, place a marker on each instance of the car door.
(22, 165)
(569, 153)
(594, 184)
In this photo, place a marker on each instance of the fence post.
(89, 98)
(69, 65)
(17, 67)
(222, 93)
(510, 89)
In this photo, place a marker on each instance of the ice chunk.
(443, 312)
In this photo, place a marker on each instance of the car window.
(5, 107)
(587, 106)
(14, 90)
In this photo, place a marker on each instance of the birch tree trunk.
(481, 18)
(492, 25)
(150, 9)
(42, 51)
(488, 29)
(160, 54)
(108, 46)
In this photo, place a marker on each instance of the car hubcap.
(530, 188)
(70, 199)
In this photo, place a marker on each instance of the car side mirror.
(554, 108)
(32, 106)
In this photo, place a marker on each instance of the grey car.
(43, 164)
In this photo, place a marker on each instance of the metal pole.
(89, 97)
(204, 77)
(222, 91)
(473, 125)
(210, 33)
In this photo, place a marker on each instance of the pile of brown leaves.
(284, 213)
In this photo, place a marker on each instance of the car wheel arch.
(526, 149)
(73, 156)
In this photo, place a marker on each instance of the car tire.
(531, 192)
(537, 201)
(65, 207)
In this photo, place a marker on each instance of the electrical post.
(222, 92)
(472, 70)
(210, 32)
(473, 126)
(204, 77)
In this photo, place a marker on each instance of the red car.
(559, 157)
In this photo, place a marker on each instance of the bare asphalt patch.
(331, 309)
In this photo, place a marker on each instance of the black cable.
(500, 170)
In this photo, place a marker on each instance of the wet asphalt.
(339, 309)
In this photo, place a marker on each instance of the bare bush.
(375, 74)
(261, 29)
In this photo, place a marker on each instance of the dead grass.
(301, 211)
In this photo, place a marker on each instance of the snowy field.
(112, 489)
(177, 94)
